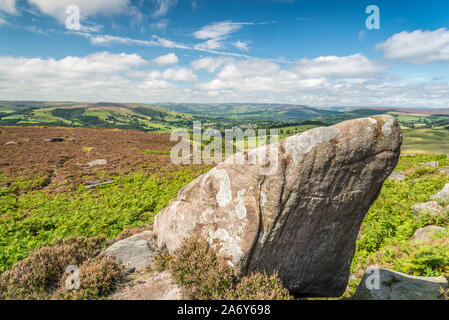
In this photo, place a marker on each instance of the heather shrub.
(38, 275)
(259, 286)
(203, 276)
(98, 277)
(161, 259)
(196, 267)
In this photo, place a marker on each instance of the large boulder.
(302, 219)
(384, 284)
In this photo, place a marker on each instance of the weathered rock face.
(303, 219)
(392, 285)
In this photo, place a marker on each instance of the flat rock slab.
(431, 207)
(294, 207)
(136, 253)
(426, 233)
(98, 162)
(158, 286)
(397, 175)
(443, 195)
(385, 284)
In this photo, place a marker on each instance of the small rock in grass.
(98, 162)
(11, 143)
(397, 175)
(136, 252)
(432, 207)
(444, 170)
(434, 164)
(426, 233)
(384, 284)
(443, 195)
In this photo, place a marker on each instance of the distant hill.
(165, 117)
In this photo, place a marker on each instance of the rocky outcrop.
(136, 253)
(384, 284)
(443, 195)
(426, 233)
(301, 219)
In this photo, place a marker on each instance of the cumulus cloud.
(167, 59)
(99, 76)
(130, 78)
(179, 74)
(418, 47)
(8, 6)
(353, 66)
(56, 8)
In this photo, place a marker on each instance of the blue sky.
(318, 53)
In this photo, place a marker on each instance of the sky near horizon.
(309, 52)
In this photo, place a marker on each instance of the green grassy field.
(418, 141)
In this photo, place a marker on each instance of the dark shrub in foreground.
(203, 276)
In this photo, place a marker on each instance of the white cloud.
(56, 8)
(418, 47)
(242, 45)
(167, 59)
(353, 66)
(8, 6)
(181, 74)
(163, 6)
(106, 76)
(215, 34)
(219, 30)
(160, 25)
(210, 64)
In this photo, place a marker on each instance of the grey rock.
(384, 284)
(11, 143)
(397, 175)
(443, 195)
(431, 207)
(444, 170)
(300, 219)
(136, 252)
(98, 162)
(158, 286)
(91, 186)
(426, 233)
(434, 164)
